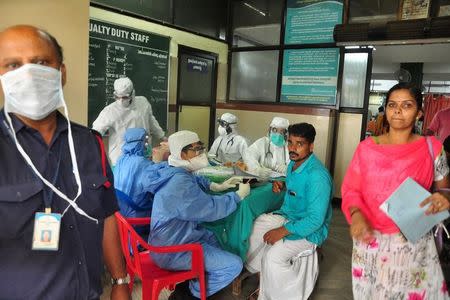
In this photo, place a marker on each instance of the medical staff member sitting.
(270, 152)
(229, 146)
(128, 111)
(129, 175)
(181, 202)
(287, 261)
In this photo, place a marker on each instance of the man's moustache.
(293, 153)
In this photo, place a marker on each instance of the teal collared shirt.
(307, 202)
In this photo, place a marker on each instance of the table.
(233, 231)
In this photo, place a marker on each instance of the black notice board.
(117, 51)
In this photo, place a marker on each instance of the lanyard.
(75, 171)
(48, 192)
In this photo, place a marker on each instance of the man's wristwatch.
(123, 280)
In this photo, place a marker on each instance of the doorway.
(196, 92)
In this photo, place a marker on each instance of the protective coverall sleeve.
(243, 146)
(214, 146)
(203, 182)
(196, 205)
(155, 129)
(102, 123)
(318, 195)
(254, 154)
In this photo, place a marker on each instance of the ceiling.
(426, 53)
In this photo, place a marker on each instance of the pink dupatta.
(377, 170)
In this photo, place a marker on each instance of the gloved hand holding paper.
(263, 172)
(227, 184)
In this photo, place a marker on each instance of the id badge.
(46, 231)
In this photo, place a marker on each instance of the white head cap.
(179, 140)
(123, 87)
(278, 122)
(229, 118)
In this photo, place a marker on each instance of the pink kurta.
(377, 170)
(390, 267)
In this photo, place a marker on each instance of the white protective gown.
(229, 148)
(258, 155)
(117, 119)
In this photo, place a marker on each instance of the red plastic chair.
(154, 279)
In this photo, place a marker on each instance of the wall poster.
(310, 76)
(414, 9)
(312, 21)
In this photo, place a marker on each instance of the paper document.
(275, 174)
(245, 174)
(403, 208)
(248, 174)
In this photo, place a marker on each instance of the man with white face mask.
(181, 202)
(229, 146)
(270, 152)
(128, 111)
(54, 180)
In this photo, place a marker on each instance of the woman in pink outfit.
(384, 264)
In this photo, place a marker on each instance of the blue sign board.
(310, 76)
(312, 21)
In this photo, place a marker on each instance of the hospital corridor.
(225, 149)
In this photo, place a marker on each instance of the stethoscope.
(229, 144)
(269, 154)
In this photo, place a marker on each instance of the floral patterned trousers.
(390, 267)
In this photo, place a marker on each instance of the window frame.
(281, 48)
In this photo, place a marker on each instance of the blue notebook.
(403, 208)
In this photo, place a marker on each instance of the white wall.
(68, 22)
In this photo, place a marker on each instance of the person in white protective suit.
(229, 146)
(127, 111)
(270, 152)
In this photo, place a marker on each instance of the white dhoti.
(289, 268)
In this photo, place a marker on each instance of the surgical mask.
(33, 76)
(125, 103)
(32, 91)
(277, 139)
(222, 131)
(198, 162)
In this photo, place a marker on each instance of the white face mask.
(33, 76)
(198, 162)
(32, 91)
(222, 131)
(125, 103)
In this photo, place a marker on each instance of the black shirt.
(74, 271)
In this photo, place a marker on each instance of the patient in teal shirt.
(283, 243)
(307, 205)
